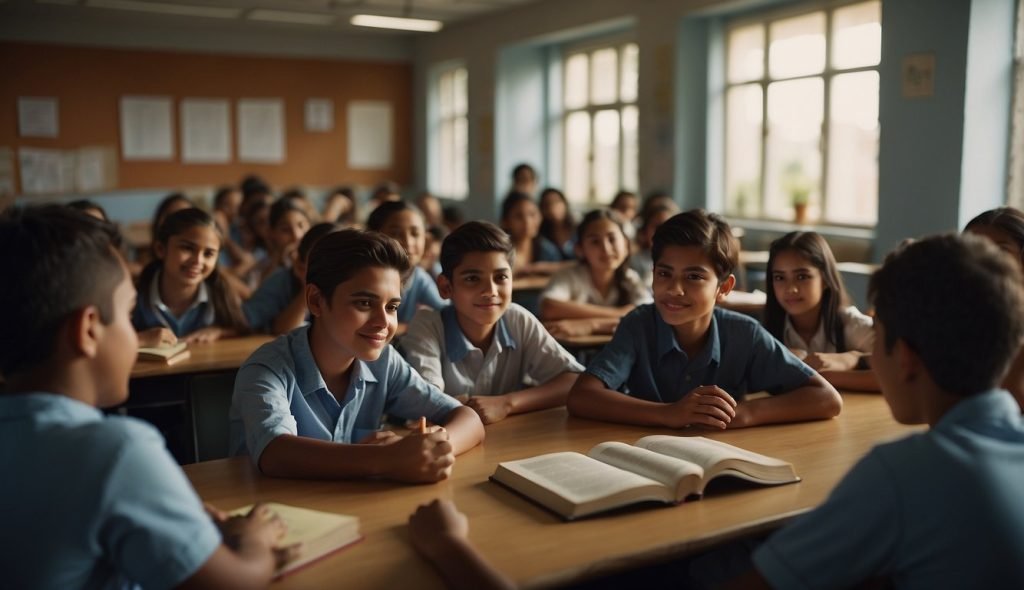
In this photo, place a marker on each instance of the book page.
(576, 477)
(661, 468)
(718, 457)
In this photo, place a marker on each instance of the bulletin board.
(89, 84)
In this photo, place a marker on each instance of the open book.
(175, 353)
(613, 474)
(320, 533)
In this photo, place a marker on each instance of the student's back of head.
(957, 302)
(474, 236)
(339, 256)
(707, 231)
(56, 260)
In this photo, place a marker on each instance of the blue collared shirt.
(152, 313)
(270, 299)
(940, 509)
(280, 390)
(421, 289)
(645, 360)
(93, 502)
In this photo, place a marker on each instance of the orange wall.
(89, 83)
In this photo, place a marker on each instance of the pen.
(423, 424)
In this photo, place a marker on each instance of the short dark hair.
(708, 231)
(56, 261)
(164, 205)
(524, 167)
(957, 301)
(221, 195)
(379, 217)
(85, 205)
(512, 199)
(338, 256)
(474, 236)
(283, 206)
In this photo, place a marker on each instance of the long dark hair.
(1007, 219)
(621, 283)
(816, 250)
(227, 312)
(547, 226)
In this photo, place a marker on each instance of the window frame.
(438, 122)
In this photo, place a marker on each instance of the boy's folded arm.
(288, 455)
(816, 399)
(550, 394)
(590, 398)
(557, 309)
(465, 430)
(856, 380)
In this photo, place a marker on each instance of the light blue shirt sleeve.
(269, 300)
(422, 290)
(848, 539)
(773, 368)
(616, 360)
(262, 399)
(409, 396)
(155, 530)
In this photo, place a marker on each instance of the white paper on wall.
(261, 134)
(37, 116)
(146, 128)
(369, 135)
(205, 131)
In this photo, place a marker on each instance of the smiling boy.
(683, 362)
(483, 346)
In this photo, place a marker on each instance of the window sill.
(784, 227)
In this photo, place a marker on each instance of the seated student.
(557, 223)
(340, 206)
(310, 403)
(652, 219)
(289, 221)
(279, 305)
(809, 311)
(94, 500)
(404, 223)
(182, 294)
(430, 207)
(524, 179)
(625, 204)
(681, 362)
(235, 260)
(535, 254)
(1005, 227)
(484, 347)
(941, 508)
(591, 296)
(431, 261)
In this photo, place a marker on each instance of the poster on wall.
(147, 132)
(205, 131)
(37, 116)
(369, 135)
(46, 172)
(319, 115)
(261, 133)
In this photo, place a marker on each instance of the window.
(451, 136)
(801, 115)
(1015, 182)
(600, 122)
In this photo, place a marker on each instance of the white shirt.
(856, 330)
(522, 353)
(574, 284)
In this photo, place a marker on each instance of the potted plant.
(798, 186)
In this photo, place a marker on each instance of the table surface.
(223, 355)
(533, 546)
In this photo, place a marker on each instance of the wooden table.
(222, 355)
(530, 544)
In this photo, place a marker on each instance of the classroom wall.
(89, 82)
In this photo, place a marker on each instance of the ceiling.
(318, 15)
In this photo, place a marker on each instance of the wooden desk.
(588, 342)
(530, 283)
(533, 546)
(222, 355)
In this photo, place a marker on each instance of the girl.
(641, 261)
(558, 226)
(340, 206)
(181, 294)
(535, 254)
(289, 221)
(808, 310)
(625, 204)
(403, 222)
(590, 297)
(1005, 227)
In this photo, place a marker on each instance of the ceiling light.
(161, 8)
(392, 22)
(285, 16)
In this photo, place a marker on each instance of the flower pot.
(800, 213)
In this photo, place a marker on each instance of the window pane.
(446, 101)
(746, 53)
(577, 156)
(606, 154)
(576, 77)
(743, 112)
(853, 149)
(793, 163)
(460, 167)
(445, 157)
(603, 85)
(857, 35)
(459, 91)
(630, 148)
(630, 69)
(797, 46)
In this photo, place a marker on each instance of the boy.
(940, 509)
(494, 352)
(682, 362)
(310, 403)
(94, 501)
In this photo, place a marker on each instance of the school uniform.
(939, 509)
(420, 289)
(643, 264)
(279, 390)
(645, 360)
(522, 353)
(574, 284)
(93, 501)
(544, 250)
(156, 314)
(857, 332)
(273, 296)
